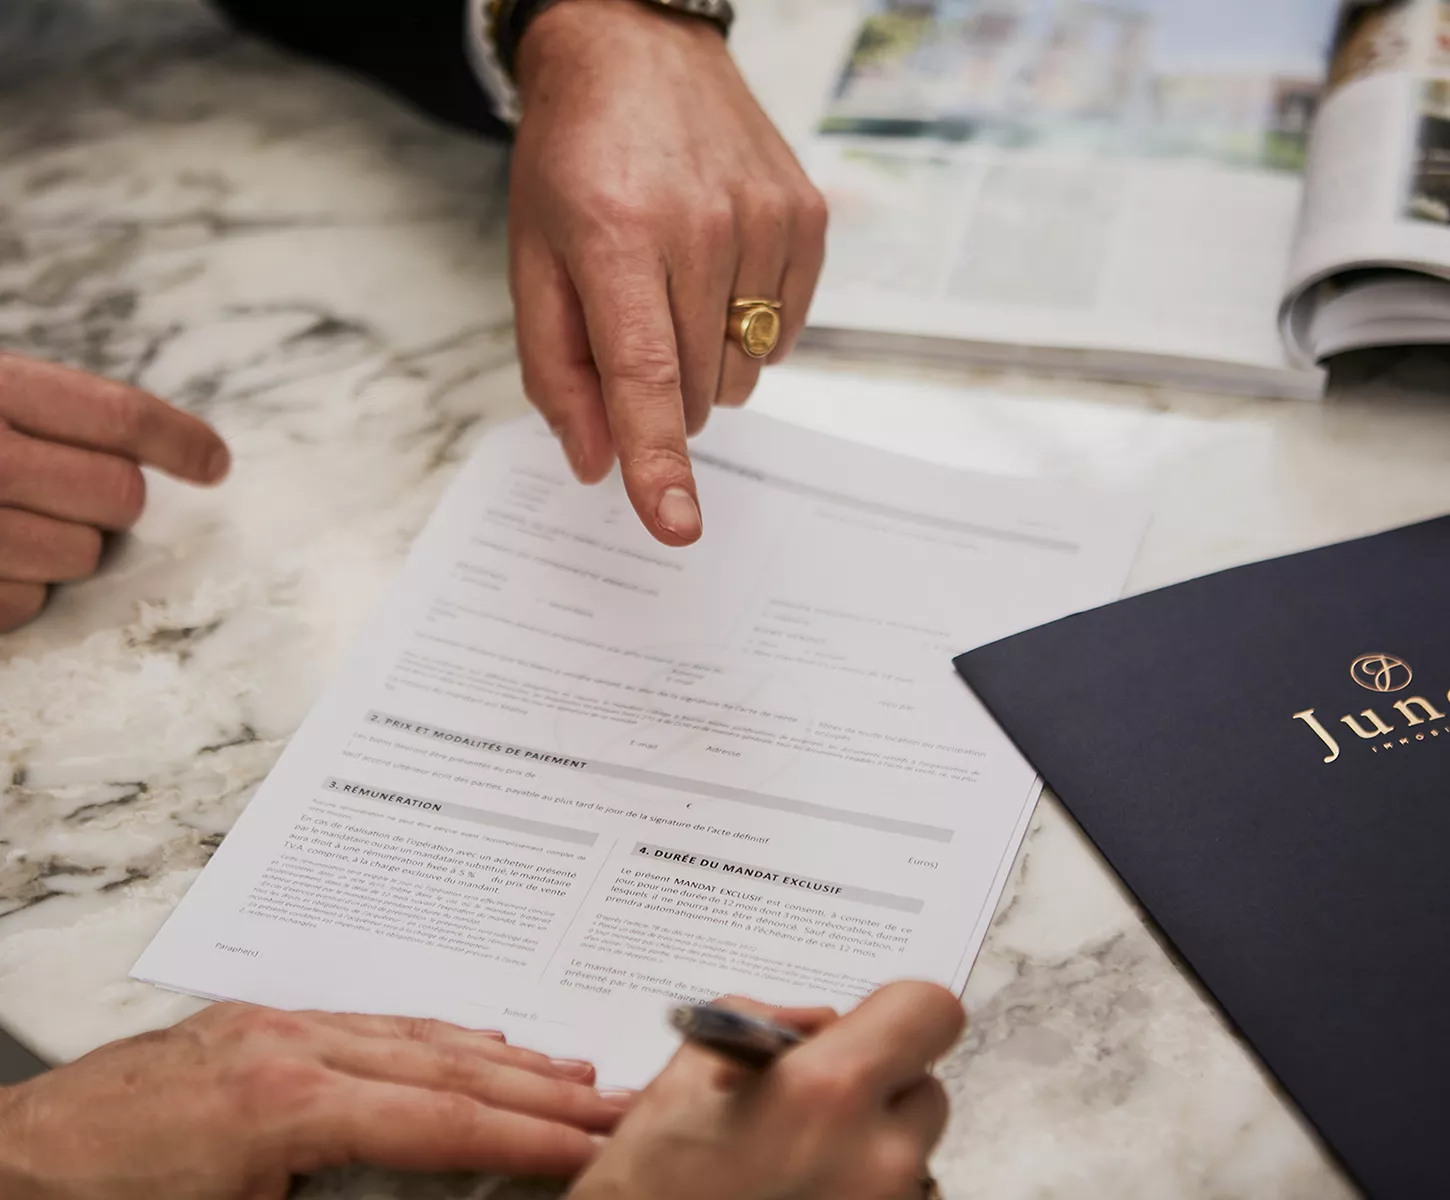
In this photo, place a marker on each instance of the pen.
(750, 1042)
(747, 1041)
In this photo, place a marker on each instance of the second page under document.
(570, 777)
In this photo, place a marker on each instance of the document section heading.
(462, 812)
(666, 857)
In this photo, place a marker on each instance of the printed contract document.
(571, 777)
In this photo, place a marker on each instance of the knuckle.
(89, 548)
(737, 391)
(535, 381)
(656, 465)
(649, 366)
(933, 1111)
(435, 1065)
(770, 205)
(455, 1111)
(78, 555)
(939, 1101)
(119, 415)
(12, 461)
(826, 1088)
(276, 1086)
(898, 1165)
(20, 604)
(939, 1007)
(814, 212)
(552, 1099)
(12, 536)
(270, 1023)
(715, 225)
(618, 211)
(15, 370)
(570, 1101)
(212, 1017)
(223, 1013)
(560, 1143)
(460, 1072)
(423, 1029)
(697, 415)
(127, 489)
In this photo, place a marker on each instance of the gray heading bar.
(674, 783)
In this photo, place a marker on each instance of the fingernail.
(618, 1093)
(218, 464)
(496, 1034)
(572, 1068)
(679, 513)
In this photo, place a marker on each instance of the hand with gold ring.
(853, 1113)
(665, 243)
(755, 326)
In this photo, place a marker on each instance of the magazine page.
(1377, 202)
(1063, 173)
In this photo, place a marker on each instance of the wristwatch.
(508, 19)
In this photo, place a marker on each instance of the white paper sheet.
(571, 777)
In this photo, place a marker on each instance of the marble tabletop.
(321, 274)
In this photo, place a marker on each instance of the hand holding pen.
(790, 1103)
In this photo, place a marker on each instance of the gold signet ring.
(755, 326)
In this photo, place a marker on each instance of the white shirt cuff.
(484, 55)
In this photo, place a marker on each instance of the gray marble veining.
(322, 275)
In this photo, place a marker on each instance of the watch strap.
(509, 20)
(483, 53)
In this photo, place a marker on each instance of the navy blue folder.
(1264, 757)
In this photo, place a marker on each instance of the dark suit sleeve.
(414, 48)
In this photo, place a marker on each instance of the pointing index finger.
(627, 309)
(62, 405)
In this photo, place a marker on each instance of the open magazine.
(1219, 193)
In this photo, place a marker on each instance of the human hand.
(649, 190)
(850, 1115)
(234, 1102)
(71, 451)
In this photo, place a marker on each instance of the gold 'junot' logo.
(1381, 673)
(1385, 674)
